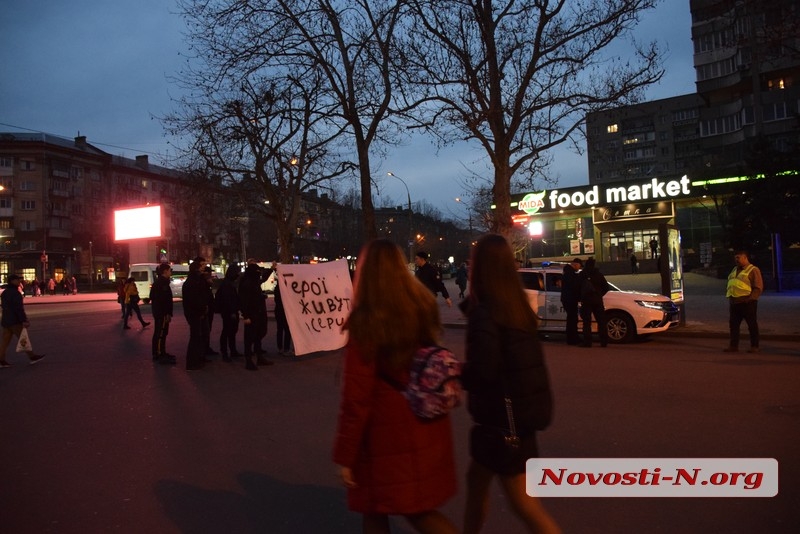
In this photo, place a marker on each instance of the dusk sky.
(102, 69)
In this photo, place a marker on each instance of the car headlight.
(653, 304)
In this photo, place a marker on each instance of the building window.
(775, 112)
(6, 162)
(28, 205)
(28, 226)
(5, 224)
(27, 186)
(612, 128)
(27, 165)
(5, 202)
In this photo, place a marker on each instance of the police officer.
(745, 285)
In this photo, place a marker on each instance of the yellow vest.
(739, 283)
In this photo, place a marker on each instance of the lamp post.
(410, 224)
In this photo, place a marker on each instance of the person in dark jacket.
(227, 305)
(14, 320)
(593, 286)
(254, 315)
(282, 332)
(504, 361)
(391, 461)
(430, 277)
(461, 279)
(195, 309)
(161, 308)
(208, 276)
(570, 297)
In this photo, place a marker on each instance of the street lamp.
(410, 223)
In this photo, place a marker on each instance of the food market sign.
(602, 195)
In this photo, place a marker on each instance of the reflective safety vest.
(739, 283)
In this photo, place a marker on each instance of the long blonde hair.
(495, 283)
(393, 313)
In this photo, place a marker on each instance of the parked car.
(629, 313)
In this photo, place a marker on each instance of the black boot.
(249, 364)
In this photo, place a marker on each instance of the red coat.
(402, 464)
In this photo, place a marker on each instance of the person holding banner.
(390, 461)
(254, 314)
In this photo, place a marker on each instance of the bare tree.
(519, 76)
(269, 139)
(350, 42)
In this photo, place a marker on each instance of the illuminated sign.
(653, 190)
(137, 223)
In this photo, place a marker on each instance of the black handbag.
(497, 448)
(134, 299)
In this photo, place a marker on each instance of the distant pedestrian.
(391, 461)
(195, 309)
(284, 335)
(461, 279)
(654, 248)
(73, 285)
(507, 381)
(51, 286)
(35, 291)
(634, 264)
(430, 276)
(132, 299)
(14, 320)
(571, 297)
(121, 297)
(226, 303)
(593, 287)
(162, 308)
(745, 286)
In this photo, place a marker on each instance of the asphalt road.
(97, 439)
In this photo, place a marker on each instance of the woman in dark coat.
(504, 360)
(391, 462)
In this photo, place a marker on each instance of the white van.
(145, 274)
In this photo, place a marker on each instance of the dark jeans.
(253, 334)
(133, 307)
(198, 342)
(594, 307)
(227, 338)
(160, 331)
(747, 311)
(571, 308)
(284, 336)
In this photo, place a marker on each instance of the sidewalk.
(706, 307)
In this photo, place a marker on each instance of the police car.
(628, 313)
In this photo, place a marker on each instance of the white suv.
(628, 313)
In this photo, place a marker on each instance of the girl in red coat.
(390, 461)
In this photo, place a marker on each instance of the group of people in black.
(584, 285)
(239, 298)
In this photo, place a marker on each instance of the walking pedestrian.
(634, 263)
(571, 297)
(745, 285)
(593, 287)
(390, 461)
(121, 297)
(430, 277)
(132, 299)
(162, 308)
(504, 374)
(461, 279)
(14, 320)
(227, 305)
(195, 309)
(51, 286)
(654, 248)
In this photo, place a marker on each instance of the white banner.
(317, 301)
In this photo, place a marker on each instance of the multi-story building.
(58, 198)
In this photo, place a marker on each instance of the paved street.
(97, 439)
